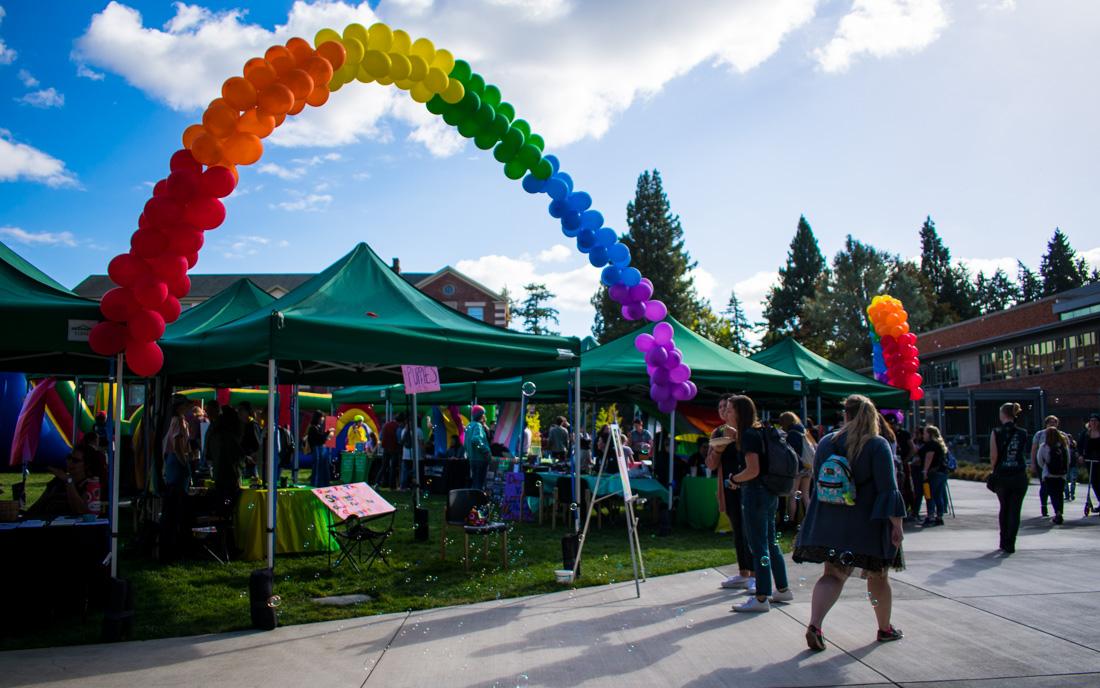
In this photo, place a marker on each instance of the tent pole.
(295, 416)
(269, 453)
(820, 420)
(76, 411)
(671, 452)
(805, 408)
(577, 426)
(116, 462)
(416, 454)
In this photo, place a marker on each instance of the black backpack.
(1058, 463)
(780, 463)
(1011, 450)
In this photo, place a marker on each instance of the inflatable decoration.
(894, 351)
(152, 276)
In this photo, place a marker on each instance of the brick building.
(1044, 355)
(448, 286)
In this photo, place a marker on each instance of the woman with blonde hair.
(934, 455)
(803, 445)
(854, 519)
(1009, 458)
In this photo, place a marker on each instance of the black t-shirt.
(903, 438)
(1088, 448)
(752, 442)
(938, 465)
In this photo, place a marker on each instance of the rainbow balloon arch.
(152, 276)
(894, 354)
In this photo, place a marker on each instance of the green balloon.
(436, 106)
(515, 169)
(529, 155)
(536, 141)
(543, 170)
(505, 153)
(470, 102)
(508, 110)
(514, 138)
(491, 95)
(461, 71)
(453, 116)
(469, 128)
(523, 126)
(485, 115)
(500, 125)
(485, 141)
(476, 83)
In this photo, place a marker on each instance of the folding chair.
(350, 535)
(459, 504)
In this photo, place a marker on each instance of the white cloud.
(309, 202)
(882, 28)
(39, 238)
(1002, 5)
(27, 78)
(7, 55)
(751, 291)
(555, 254)
(301, 165)
(84, 72)
(572, 287)
(990, 265)
(1092, 257)
(44, 98)
(21, 161)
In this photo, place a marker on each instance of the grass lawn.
(202, 596)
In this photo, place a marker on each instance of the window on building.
(1079, 312)
(1041, 357)
(448, 289)
(476, 312)
(940, 374)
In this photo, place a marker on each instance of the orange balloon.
(252, 122)
(207, 149)
(276, 99)
(319, 70)
(300, 49)
(233, 169)
(260, 73)
(220, 119)
(318, 96)
(299, 82)
(239, 93)
(280, 59)
(191, 133)
(279, 119)
(243, 149)
(334, 52)
(299, 105)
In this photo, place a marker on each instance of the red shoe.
(890, 636)
(814, 640)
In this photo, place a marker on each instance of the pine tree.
(1028, 285)
(535, 311)
(906, 284)
(783, 305)
(1094, 276)
(738, 325)
(950, 286)
(996, 293)
(1060, 268)
(656, 242)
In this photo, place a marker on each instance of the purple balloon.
(650, 369)
(669, 346)
(659, 392)
(667, 406)
(644, 342)
(694, 390)
(657, 356)
(642, 291)
(633, 311)
(662, 333)
(680, 373)
(674, 359)
(655, 311)
(659, 375)
(681, 392)
(618, 292)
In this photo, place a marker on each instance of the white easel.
(628, 500)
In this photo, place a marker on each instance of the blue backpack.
(834, 480)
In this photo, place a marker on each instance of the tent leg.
(116, 462)
(76, 411)
(820, 420)
(416, 455)
(295, 415)
(805, 408)
(577, 426)
(269, 452)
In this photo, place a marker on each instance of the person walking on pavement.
(1036, 442)
(1052, 458)
(1008, 456)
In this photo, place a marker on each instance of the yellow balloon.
(380, 37)
(344, 75)
(385, 81)
(455, 91)
(355, 50)
(377, 64)
(419, 68)
(437, 80)
(400, 67)
(424, 48)
(404, 84)
(356, 31)
(326, 35)
(363, 75)
(444, 60)
(401, 42)
(421, 93)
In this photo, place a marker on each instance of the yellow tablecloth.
(301, 523)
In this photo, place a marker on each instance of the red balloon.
(145, 359)
(150, 292)
(218, 182)
(168, 267)
(184, 242)
(170, 310)
(118, 304)
(107, 338)
(184, 184)
(183, 160)
(913, 380)
(160, 188)
(146, 325)
(192, 260)
(205, 213)
(161, 210)
(179, 287)
(143, 223)
(916, 394)
(148, 243)
(125, 270)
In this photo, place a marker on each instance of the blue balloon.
(557, 188)
(611, 275)
(598, 256)
(591, 219)
(570, 231)
(571, 220)
(565, 178)
(557, 208)
(619, 255)
(631, 276)
(579, 201)
(533, 185)
(586, 240)
(605, 236)
(554, 163)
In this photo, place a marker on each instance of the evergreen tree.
(950, 285)
(656, 242)
(797, 279)
(1094, 276)
(710, 325)
(906, 283)
(1028, 285)
(996, 293)
(536, 312)
(1060, 268)
(737, 324)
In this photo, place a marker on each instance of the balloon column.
(894, 353)
(152, 276)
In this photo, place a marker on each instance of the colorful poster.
(354, 499)
(513, 507)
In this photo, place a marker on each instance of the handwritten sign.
(420, 379)
(354, 499)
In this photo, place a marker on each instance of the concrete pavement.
(972, 617)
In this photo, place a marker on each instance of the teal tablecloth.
(698, 502)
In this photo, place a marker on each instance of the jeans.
(918, 490)
(759, 507)
(406, 473)
(478, 469)
(1011, 491)
(938, 483)
(1043, 492)
(1056, 490)
(387, 476)
(740, 538)
(322, 473)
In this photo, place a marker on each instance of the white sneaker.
(753, 605)
(750, 586)
(734, 582)
(784, 596)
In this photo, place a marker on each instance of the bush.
(977, 472)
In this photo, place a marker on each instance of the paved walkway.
(971, 616)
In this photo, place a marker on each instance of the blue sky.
(865, 115)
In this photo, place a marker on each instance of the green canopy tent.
(825, 378)
(235, 301)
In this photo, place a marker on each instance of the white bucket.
(564, 576)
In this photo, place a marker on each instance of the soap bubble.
(765, 561)
(847, 558)
(274, 601)
(802, 581)
(797, 495)
(832, 554)
(786, 518)
(573, 506)
(874, 602)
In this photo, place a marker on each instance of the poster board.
(620, 458)
(353, 499)
(419, 379)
